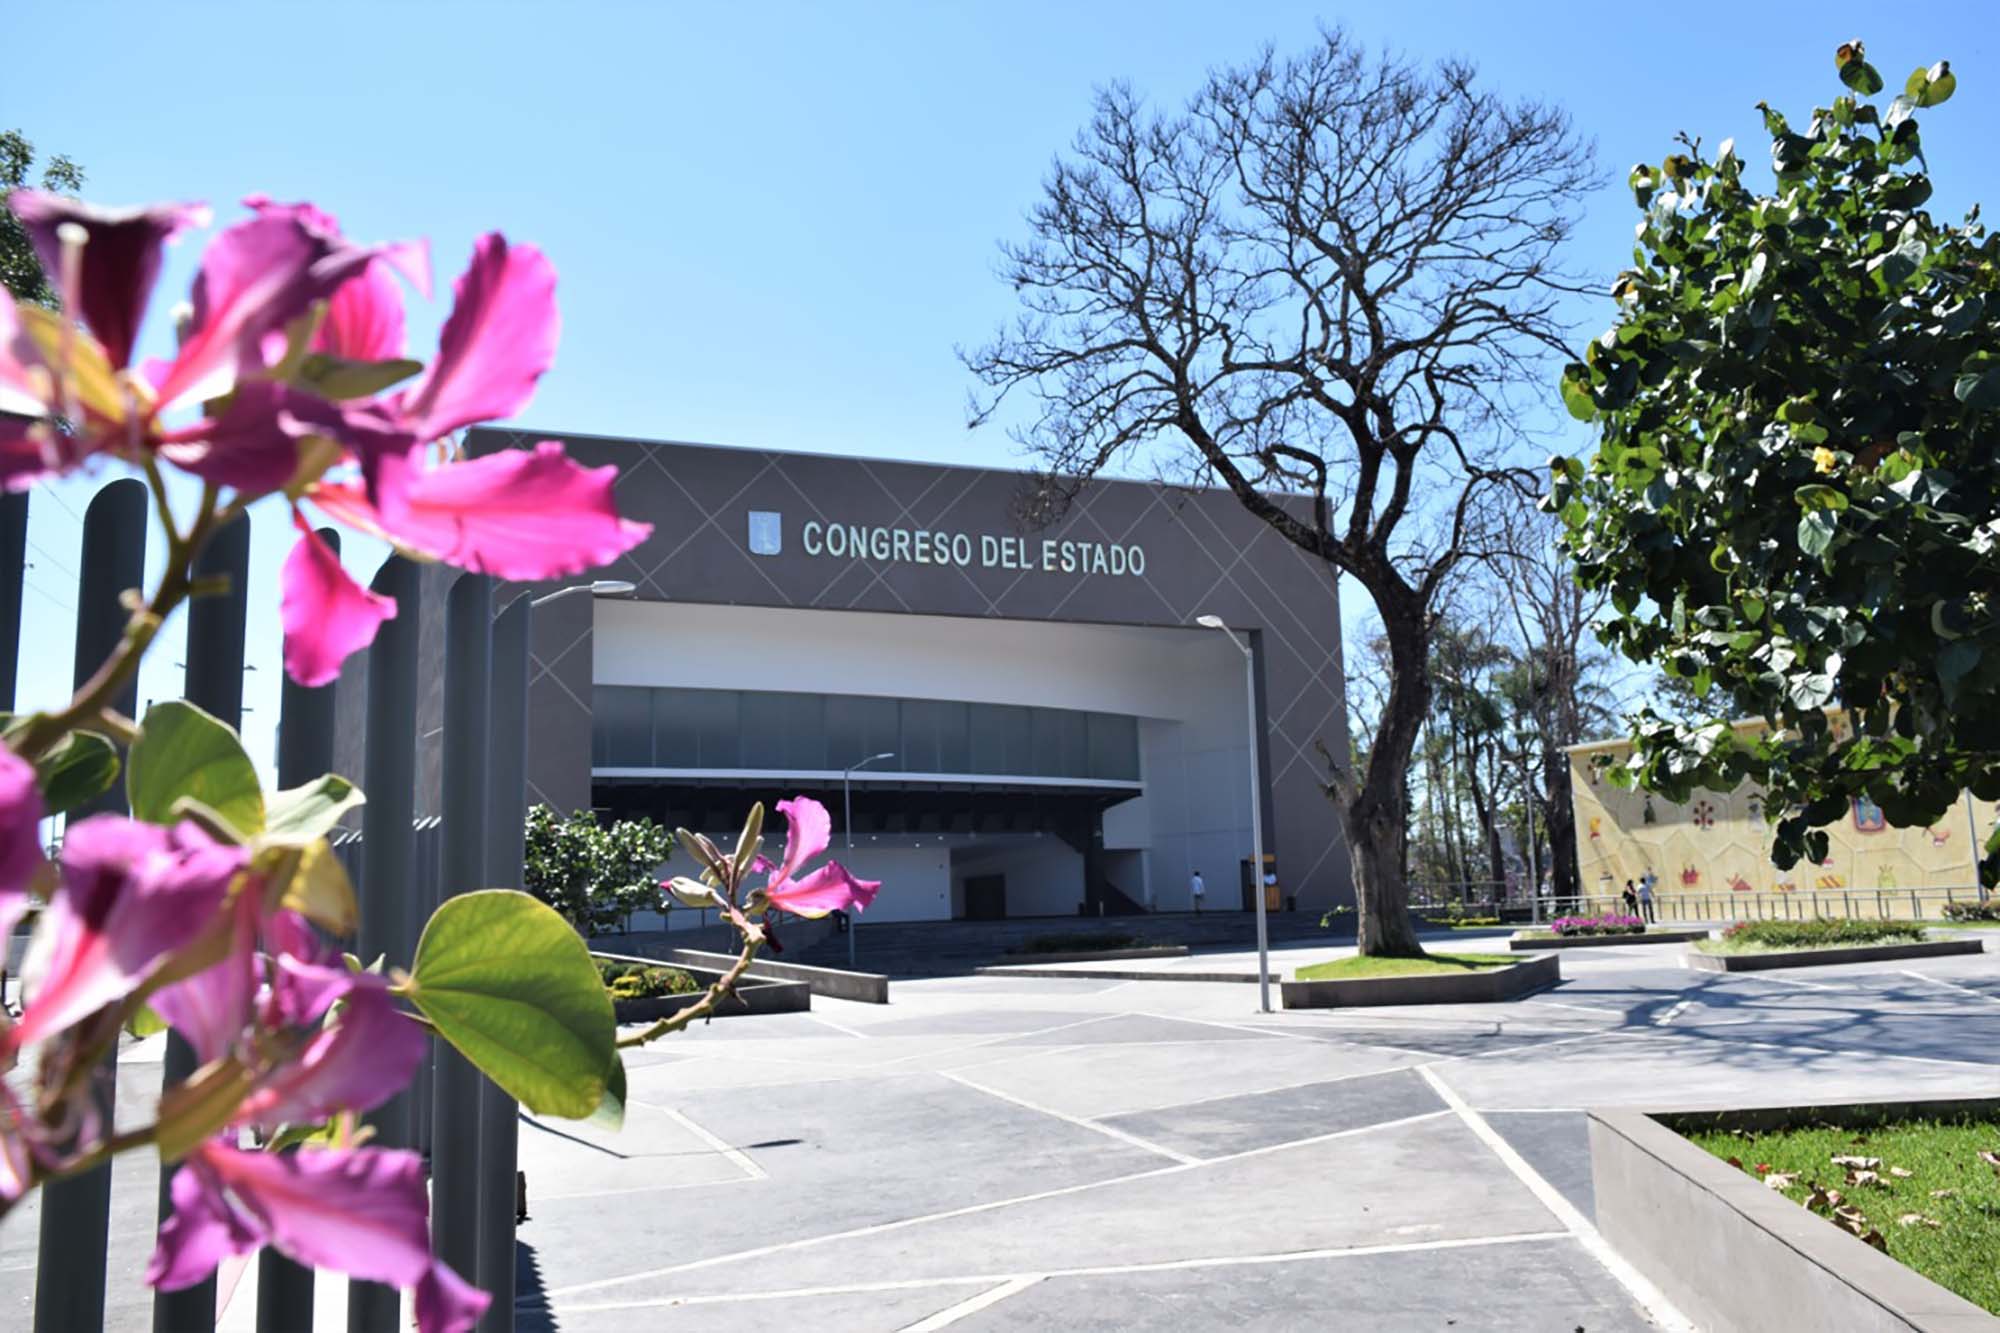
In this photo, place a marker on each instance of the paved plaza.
(1013, 1152)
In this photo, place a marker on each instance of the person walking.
(1646, 882)
(1197, 890)
(1631, 897)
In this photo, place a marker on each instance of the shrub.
(642, 981)
(1819, 933)
(1604, 923)
(1986, 911)
(595, 876)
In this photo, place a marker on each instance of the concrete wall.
(1044, 875)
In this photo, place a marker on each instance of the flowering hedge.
(1605, 923)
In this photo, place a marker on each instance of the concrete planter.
(753, 995)
(1097, 956)
(1734, 1255)
(832, 982)
(1865, 953)
(1598, 941)
(1473, 987)
(1116, 974)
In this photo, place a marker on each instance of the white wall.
(1044, 875)
(1186, 686)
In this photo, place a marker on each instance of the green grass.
(1958, 1252)
(1358, 967)
(1793, 936)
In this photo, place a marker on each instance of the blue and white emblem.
(767, 532)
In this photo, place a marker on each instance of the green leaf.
(1753, 609)
(1816, 531)
(337, 377)
(182, 751)
(81, 767)
(1978, 384)
(1821, 497)
(610, 1113)
(509, 983)
(1576, 394)
(313, 809)
(1955, 661)
(1933, 86)
(1856, 72)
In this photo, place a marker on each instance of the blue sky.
(775, 222)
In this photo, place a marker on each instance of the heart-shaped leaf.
(183, 751)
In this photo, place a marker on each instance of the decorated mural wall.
(1721, 842)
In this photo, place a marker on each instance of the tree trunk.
(1375, 817)
(1559, 818)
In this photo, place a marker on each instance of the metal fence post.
(390, 781)
(455, 1114)
(76, 1213)
(214, 683)
(305, 750)
(506, 836)
(13, 573)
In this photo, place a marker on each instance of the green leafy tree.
(593, 875)
(1794, 505)
(20, 272)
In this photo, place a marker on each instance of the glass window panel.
(1114, 747)
(1060, 744)
(762, 731)
(804, 717)
(621, 727)
(677, 727)
(720, 718)
(1018, 729)
(954, 745)
(919, 750)
(986, 730)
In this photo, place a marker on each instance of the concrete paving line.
(1265, 1031)
(1264, 1092)
(994, 1040)
(1524, 1046)
(996, 1281)
(967, 1210)
(736, 1157)
(1671, 1012)
(1685, 1034)
(1618, 1014)
(824, 1021)
(972, 1305)
(737, 1183)
(1132, 1140)
(1643, 1291)
(1953, 985)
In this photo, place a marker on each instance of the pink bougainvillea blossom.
(830, 888)
(132, 894)
(324, 613)
(358, 1211)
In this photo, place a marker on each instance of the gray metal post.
(1256, 829)
(506, 836)
(388, 877)
(76, 1213)
(213, 682)
(455, 1091)
(13, 573)
(305, 750)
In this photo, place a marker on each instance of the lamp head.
(1210, 622)
(613, 588)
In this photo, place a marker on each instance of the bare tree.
(1324, 284)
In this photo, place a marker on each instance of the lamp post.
(1256, 810)
(600, 588)
(847, 825)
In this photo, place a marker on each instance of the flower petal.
(20, 364)
(203, 1231)
(446, 1302)
(120, 261)
(827, 889)
(364, 318)
(254, 446)
(132, 894)
(517, 514)
(212, 1008)
(500, 337)
(808, 829)
(359, 1211)
(256, 277)
(360, 1062)
(325, 614)
(20, 836)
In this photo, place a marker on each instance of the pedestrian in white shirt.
(1197, 889)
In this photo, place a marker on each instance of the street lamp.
(1256, 811)
(600, 588)
(847, 824)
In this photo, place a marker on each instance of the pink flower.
(366, 1057)
(358, 1211)
(364, 319)
(499, 339)
(325, 614)
(830, 888)
(20, 836)
(120, 260)
(132, 894)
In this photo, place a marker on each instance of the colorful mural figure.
(1722, 841)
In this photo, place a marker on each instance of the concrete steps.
(955, 948)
